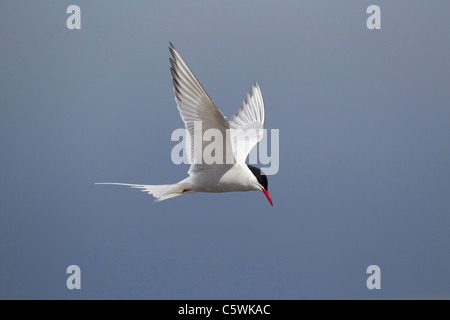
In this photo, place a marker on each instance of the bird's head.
(262, 181)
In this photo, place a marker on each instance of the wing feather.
(247, 124)
(194, 105)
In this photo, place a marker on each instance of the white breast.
(225, 178)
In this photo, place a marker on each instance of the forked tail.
(160, 192)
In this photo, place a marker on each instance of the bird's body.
(230, 173)
(224, 178)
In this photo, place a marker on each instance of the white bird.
(230, 174)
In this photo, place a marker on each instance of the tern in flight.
(200, 114)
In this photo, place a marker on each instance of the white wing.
(195, 105)
(247, 124)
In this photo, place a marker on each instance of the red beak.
(267, 195)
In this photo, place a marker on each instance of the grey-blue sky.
(364, 150)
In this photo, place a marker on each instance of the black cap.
(260, 176)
